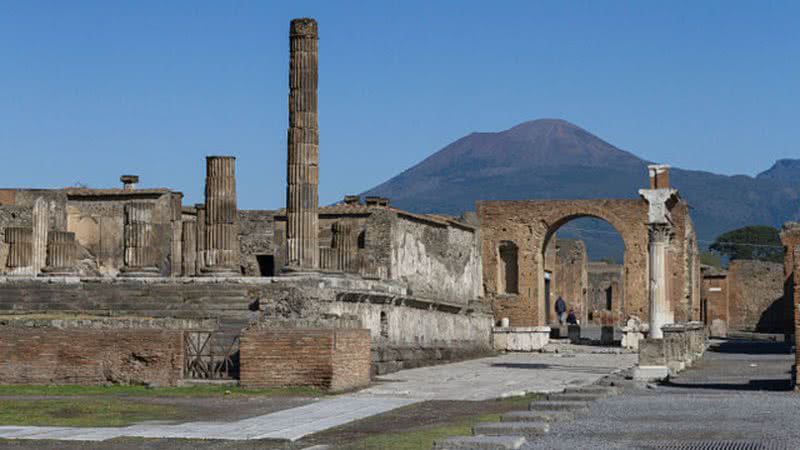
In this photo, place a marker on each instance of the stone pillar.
(39, 235)
(20, 250)
(302, 228)
(141, 258)
(189, 249)
(61, 254)
(176, 222)
(660, 237)
(344, 246)
(200, 236)
(222, 231)
(660, 199)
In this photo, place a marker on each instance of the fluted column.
(20, 250)
(39, 235)
(344, 245)
(189, 249)
(141, 259)
(302, 228)
(221, 215)
(200, 236)
(61, 254)
(660, 238)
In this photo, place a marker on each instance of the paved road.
(479, 379)
(737, 392)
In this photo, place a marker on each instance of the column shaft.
(39, 235)
(660, 235)
(140, 256)
(221, 217)
(189, 249)
(62, 253)
(302, 199)
(20, 250)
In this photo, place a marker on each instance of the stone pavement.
(481, 379)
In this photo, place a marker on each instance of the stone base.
(59, 272)
(630, 339)
(520, 339)
(650, 373)
(219, 272)
(139, 272)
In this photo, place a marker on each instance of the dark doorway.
(609, 297)
(547, 311)
(266, 265)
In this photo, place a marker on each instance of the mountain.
(554, 159)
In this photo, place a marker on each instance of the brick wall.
(331, 359)
(755, 296)
(36, 355)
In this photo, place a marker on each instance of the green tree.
(710, 259)
(751, 242)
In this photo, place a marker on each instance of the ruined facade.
(606, 293)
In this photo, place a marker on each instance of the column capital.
(660, 232)
(659, 202)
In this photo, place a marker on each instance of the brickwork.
(529, 224)
(605, 286)
(42, 355)
(331, 359)
(571, 276)
(755, 296)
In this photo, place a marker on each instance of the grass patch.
(142, 391)
(82, 412)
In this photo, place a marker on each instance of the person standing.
(561, 310)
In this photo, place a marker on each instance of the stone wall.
(605, 279)
(715, 311)
(88, 354)
(572, 278)
(413, 329)
(330, 359)
(755, 296)
(257, 239)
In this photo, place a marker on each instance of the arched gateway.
(659, 216)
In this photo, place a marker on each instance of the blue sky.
(90, 90)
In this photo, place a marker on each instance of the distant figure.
(571, 319)
(561, 310)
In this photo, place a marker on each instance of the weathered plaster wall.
(256, 237)
(435, 261)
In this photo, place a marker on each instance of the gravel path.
(737, 392)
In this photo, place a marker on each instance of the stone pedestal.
(652, 361)
(221, 217)
(141, 258)
(20, 251)
(62, 254)
(302, 227)
(676, 347)
(633, 332)
(574, 332)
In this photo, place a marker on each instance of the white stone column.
(660, 237)
(39, 235)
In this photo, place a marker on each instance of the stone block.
(575, 397)
(595, 389)
(652, 352)
(528, 429)
(537, 416)
(557, 406)
(480, 443)
(574, 332)
(607, 335)
(650, 373)
(631, 339)
(520, 339)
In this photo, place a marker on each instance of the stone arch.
(531, 224)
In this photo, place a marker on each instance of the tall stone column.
(660, 237)
(302, 200)
(61, 254)
(221, 215)
(141, 258)
(39, 235)
(20, 250)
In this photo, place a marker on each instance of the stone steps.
(527, 429)
(537, 416)
(574, 397)
(558, 406)
(607, 391)
(480, 443)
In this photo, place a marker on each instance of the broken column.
(61, 254)
(189, 249)
(659, 199)
(302, 228)
(221, 227)
(344, 246)
(141, 257)
(20, 251)
(200, 237)
(39, 235)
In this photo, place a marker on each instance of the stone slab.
(650, 373)
(575, 397)
(557, 406)
(537, 416)
(526, 428)
(480, 443)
